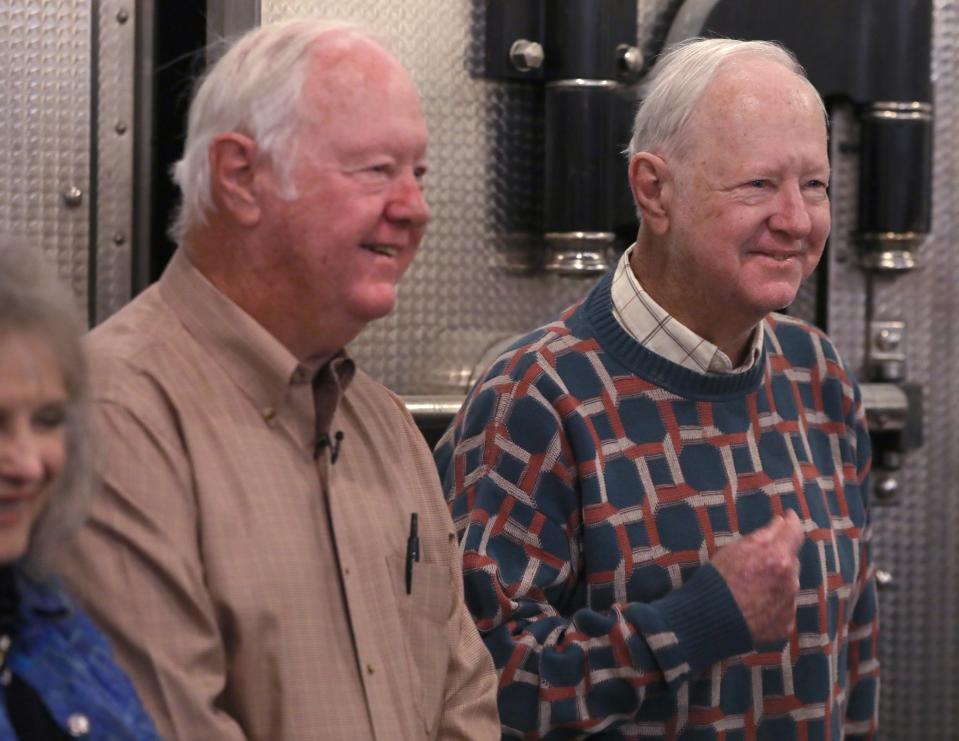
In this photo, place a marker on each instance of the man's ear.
(233, 170)
(652, 184)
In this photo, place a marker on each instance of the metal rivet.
(629, 59)
(120, 127)
(122, 16)
(887, 487)
(78, 724)
(72, 196)
(888, 339)
(526, 55)
(119, 238)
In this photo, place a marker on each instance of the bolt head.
(629, 59)
(526, 55)
(72, 196)
(887, 487)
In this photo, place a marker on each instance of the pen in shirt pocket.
(412, 552)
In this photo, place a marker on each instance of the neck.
(233, 273)
(650, 264)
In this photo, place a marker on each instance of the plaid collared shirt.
(652, 326)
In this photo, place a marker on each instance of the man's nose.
(408, 205)
(792, 213)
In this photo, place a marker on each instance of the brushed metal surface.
(45, 63)
(846, 314)
(115, 79)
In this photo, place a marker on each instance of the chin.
(11, 549)
(776, 299)
(371, 311)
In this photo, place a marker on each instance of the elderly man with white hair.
(270, 552)
(662, 495)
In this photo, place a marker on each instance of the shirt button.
(369, 669)
(78, 725)
(269, 414)
(299, 376)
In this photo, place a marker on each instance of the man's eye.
(374, 174)
(758, 183)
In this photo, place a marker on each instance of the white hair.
(256, 89)
(680, 78)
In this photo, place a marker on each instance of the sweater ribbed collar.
(596, 316)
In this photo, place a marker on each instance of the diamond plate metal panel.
(45, 119)
(918, 538)
(116, 29)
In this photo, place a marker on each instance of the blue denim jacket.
(58, 652)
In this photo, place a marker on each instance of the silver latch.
(887, 353)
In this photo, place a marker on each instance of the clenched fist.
(762, 572)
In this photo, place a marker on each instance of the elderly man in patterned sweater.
(661, 495)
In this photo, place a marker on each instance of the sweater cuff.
(708, 623)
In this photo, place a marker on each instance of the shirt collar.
(34, 596)
(329, 385)
(651, 325)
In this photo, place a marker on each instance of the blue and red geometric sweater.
(592, 480)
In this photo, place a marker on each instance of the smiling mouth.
(13, 504)
(382, 249)
(779, 257)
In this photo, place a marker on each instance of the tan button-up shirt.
(250, 590)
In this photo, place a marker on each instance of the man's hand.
(762, 572)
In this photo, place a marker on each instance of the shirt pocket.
(424, 617)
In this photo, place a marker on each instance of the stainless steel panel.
(115, 77)
(915, 537)
(918, 539)
(846, 307)
(45, 62)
